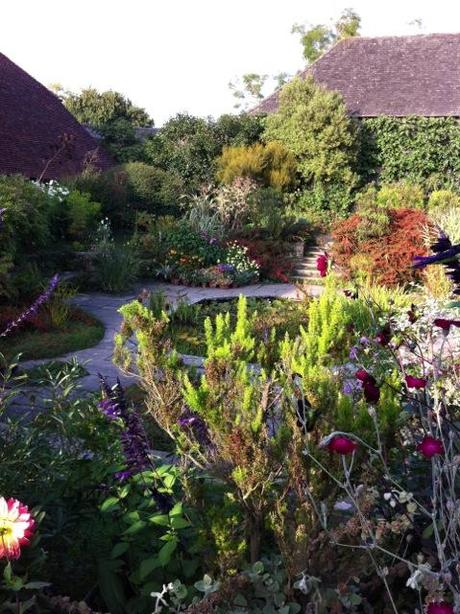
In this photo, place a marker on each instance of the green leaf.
(36, 586)
(161, 519)
(176, 510)
(428, 531)
(148, 565)
(119, 549)
(179, 523)
(258, 567)
(110, 505)
(135, 528)
(169, 480)
(166, 551)
(240, 600)
(8, 572)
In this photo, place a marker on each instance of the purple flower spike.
(34, 308)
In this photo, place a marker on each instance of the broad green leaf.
(119, 549)
(135, 528)
(166, 551)
(110, 504)
(148, 565)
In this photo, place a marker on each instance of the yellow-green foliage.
(271, 164)
(401, 195)
(443, 199)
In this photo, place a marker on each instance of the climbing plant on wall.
(422, 149)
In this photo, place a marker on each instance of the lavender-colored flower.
(133, 439)
(226, 268)
(34, 308)
(189, 421)
(350, 387)
(354, 352)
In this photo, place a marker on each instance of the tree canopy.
(312, 123)
(319, 38)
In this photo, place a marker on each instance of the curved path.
(98, 359)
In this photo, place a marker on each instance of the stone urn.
(297, 249)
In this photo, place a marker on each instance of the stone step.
(310, 280)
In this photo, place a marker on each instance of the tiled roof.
(392, 75)
(37, 133)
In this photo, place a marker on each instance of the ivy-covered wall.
(421, 149)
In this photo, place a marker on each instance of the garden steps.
(304, 269)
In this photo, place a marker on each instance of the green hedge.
(421, 149)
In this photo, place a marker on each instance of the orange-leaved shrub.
(385, 259)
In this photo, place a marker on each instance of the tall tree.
(97, 109)
(318, 39)
(113, 116)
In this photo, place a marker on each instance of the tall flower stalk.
(32, 311)
(133, 438)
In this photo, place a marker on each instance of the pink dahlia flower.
(16, 527)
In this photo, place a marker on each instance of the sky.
(172, 56)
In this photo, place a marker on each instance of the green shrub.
(401, 195)
(151, 188)
(111, 190)
(313, 124)
(318, 202)
(271, 164)
(25, 225)
(116, 266)
(83, 214)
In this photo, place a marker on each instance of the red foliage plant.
(387, 259)
(271, 258)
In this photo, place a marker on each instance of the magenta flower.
(363, 375)
(369, 385)
(384, 336)
(416, 382)
(441, 607)
(340, 444)
(446, 324)
(322, 264)
(430, 446)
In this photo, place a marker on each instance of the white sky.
(179, 55)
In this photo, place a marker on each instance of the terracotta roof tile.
(393, 75)
(37, 132)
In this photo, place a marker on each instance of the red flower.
(369, 384)
(322, 264)
(441, 607)
(415, 382)
(342, 445)
(446, 324)
(384, 336)
(430, 446)
(412, 315)
(364, 376)
(371, 392)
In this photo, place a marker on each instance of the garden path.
(98, 359)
